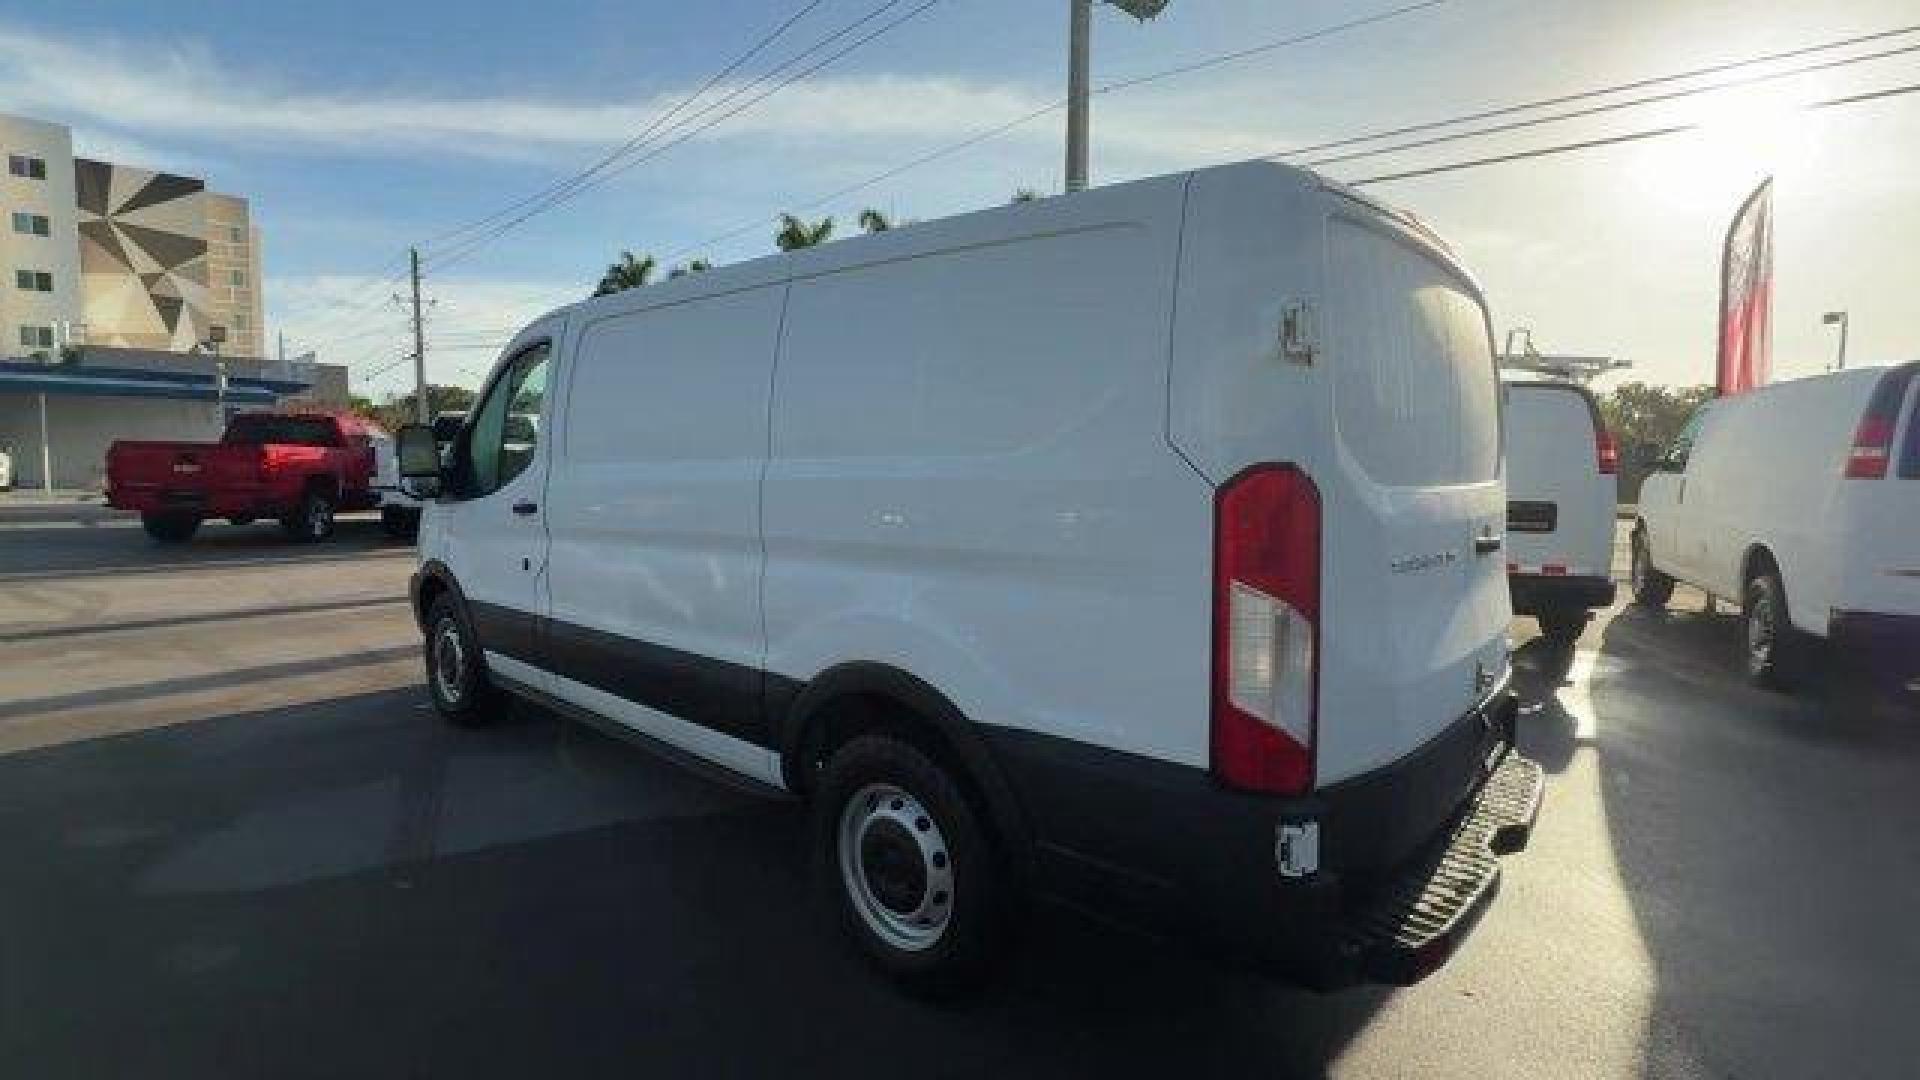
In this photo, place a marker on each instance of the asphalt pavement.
(239, 844)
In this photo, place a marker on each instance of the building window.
(32, 168)
(240, 321)
(31, 224)
(236, 234)
(36, 337)
(239, 278)
(33, 280)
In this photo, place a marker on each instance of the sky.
(358, 129)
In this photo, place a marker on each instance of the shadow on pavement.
(71, 549)
(1767, 845)
(353, 888)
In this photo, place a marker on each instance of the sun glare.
(1744, 135)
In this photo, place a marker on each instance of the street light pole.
(1079, 47)
(1838, 317)
(1079, 59)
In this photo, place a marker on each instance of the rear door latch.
(1298, 340)
(1297, 848)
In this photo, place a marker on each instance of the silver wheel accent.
(319, 518)
(1761, 628)
(449, 661)
(895, 866)
(1637, 566)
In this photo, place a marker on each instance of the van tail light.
(1266, 630)
(1873, 439)
(1606, 450)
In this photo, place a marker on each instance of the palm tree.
(795, 234)
(696, 266)
(628, 273)
(874, 221)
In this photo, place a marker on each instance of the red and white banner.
(1746, 295)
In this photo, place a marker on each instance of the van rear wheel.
(1651, 588)
(907, 867)
(1776, 651)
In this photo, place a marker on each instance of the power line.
(1106, 88)
(628, 147)
(1612, 106)
(1614, 140)
(1582, 95)
(682, 133)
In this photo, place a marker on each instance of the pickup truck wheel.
(170, 528)
(1651, 588)
(906, 865)
(313, 520)
(456, 670)
(1776, 651)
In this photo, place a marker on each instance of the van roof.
(976, 227)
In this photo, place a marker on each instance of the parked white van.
(1562, 486)
(1139, 547)
(1801, 501)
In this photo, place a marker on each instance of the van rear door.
(1559, 503)
(1415, 601)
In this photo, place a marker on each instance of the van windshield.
(1416, 394)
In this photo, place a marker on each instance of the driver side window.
(505, 431)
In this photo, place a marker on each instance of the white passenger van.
(1801, 501)
(1562, 486)
(1140, 547)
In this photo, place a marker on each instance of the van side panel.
(970, 480)
(654, 513)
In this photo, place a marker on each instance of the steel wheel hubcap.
(449, 660)
(895, 866)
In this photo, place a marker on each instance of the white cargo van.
(1800, 501)
(1562, 486)
(1139, 547)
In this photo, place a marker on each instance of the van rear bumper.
(1407, 854)
(1884, 643)
(1534, 594)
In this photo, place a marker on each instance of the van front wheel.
(1776, 652)
(907, 867)
(456, 672)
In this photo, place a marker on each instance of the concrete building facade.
(110, 255)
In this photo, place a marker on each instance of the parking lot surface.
(238, 843)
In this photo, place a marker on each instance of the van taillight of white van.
(1266, 615)
(1873, 439)
(1605, 450)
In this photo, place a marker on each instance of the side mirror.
(419, 455)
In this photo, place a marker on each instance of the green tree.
(795, 234)
(1025, 194)
(873, 221)
(628, 273)
(398, 409)
(693, 266)
(1645, 418)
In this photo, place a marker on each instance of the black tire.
(400, 523)
(456, 668)
(312, 521)
(891, 826)
(1651, 588)
(170, 528)
(1776, 651)
(1562, 626)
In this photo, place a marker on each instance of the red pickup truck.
(299, 467)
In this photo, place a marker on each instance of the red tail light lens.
(1873, 439)
(1606, 450)
(1266, 629)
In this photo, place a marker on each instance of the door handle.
(526, 509)
(1486, 545)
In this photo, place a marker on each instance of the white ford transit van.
(1562, 486)
(1800, 501)
(1140, 547)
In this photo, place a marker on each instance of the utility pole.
(1079, 33)
(421, 410)
(1838, 318)
(284, 369)
(1079, 50)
